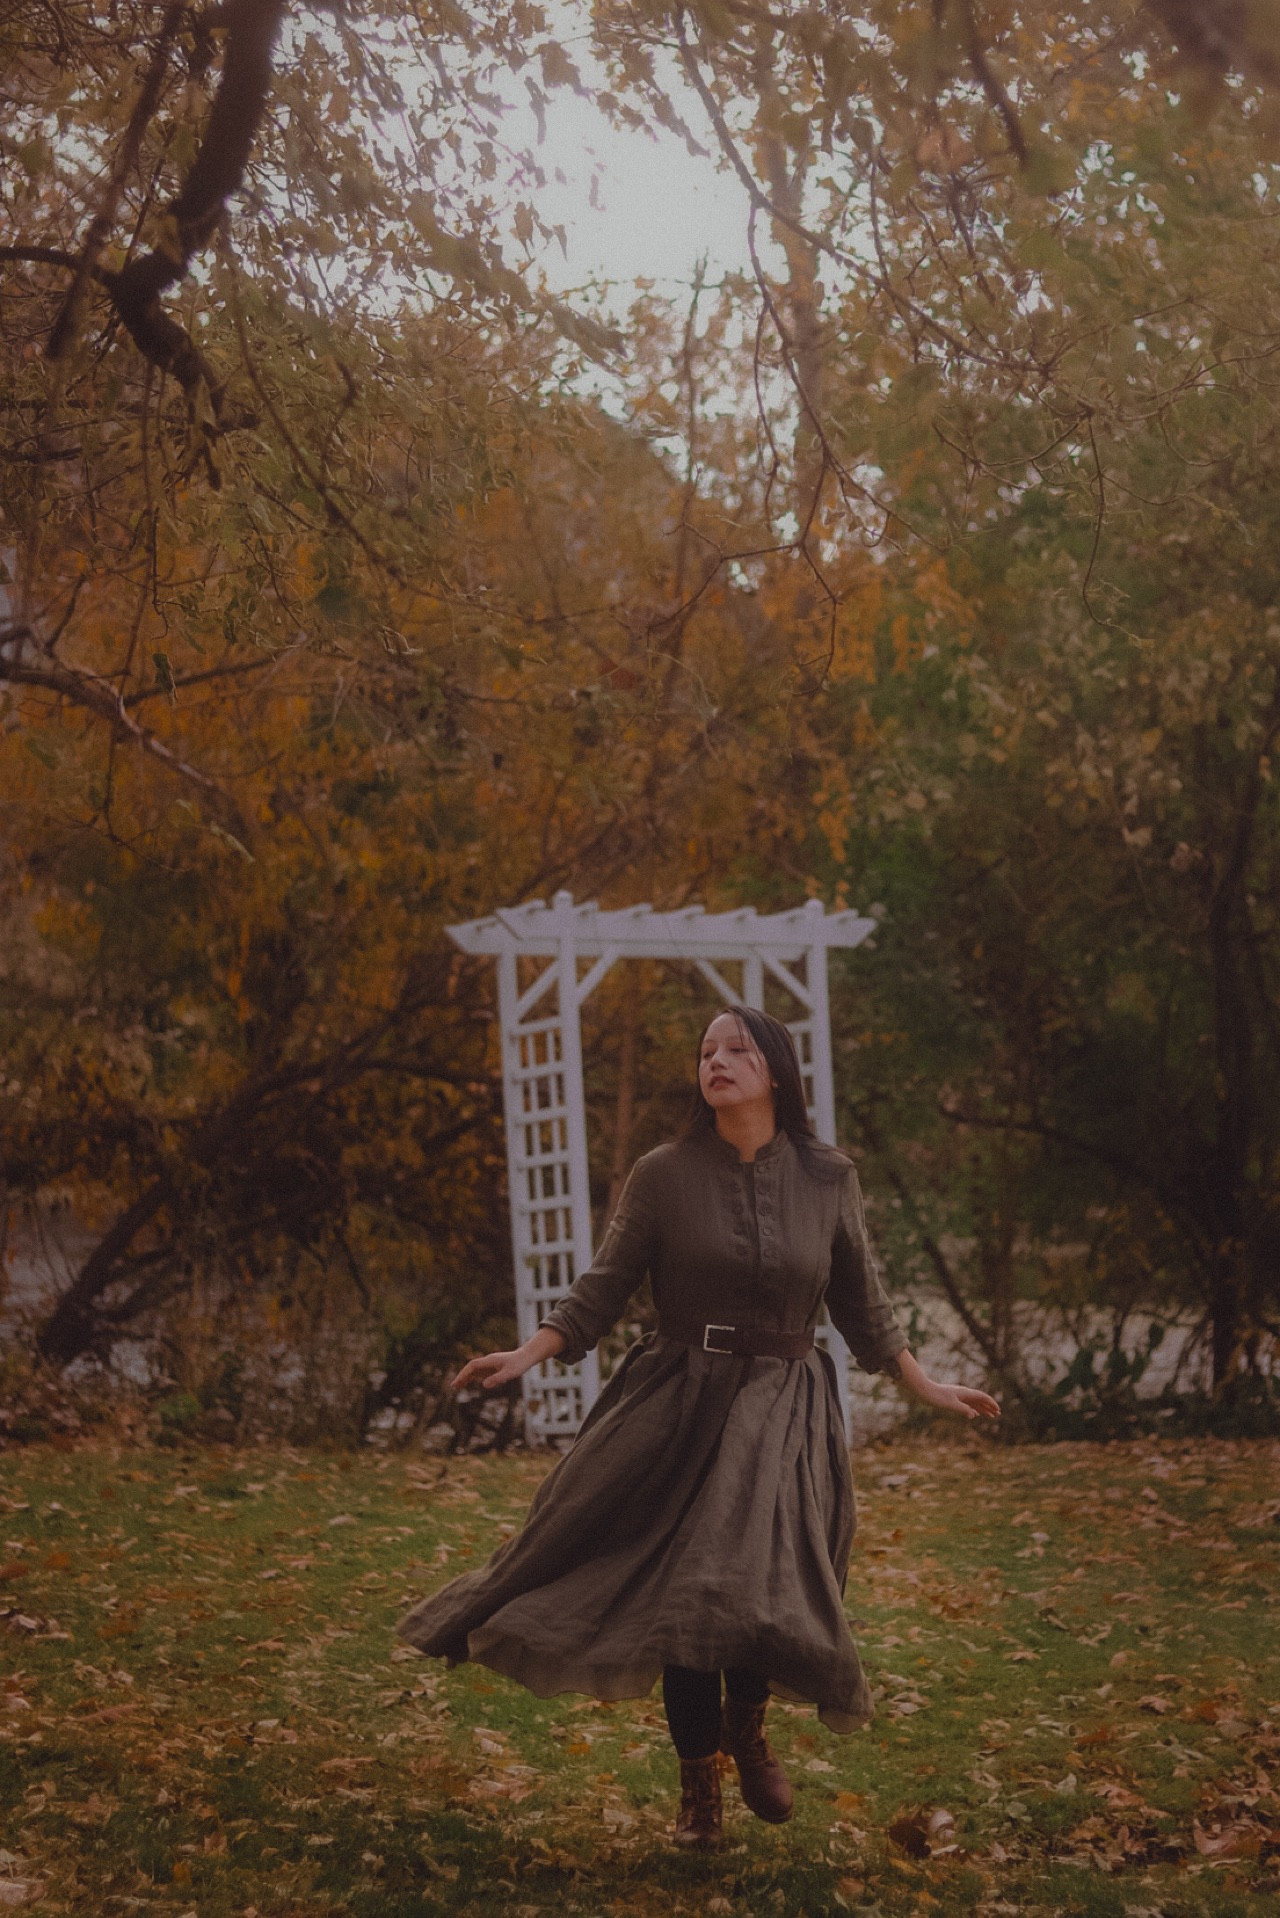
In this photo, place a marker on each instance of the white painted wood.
(718, 983)
(690, 934)
(543, 1097)
(546, 1168)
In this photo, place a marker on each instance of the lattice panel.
(538, 1105)
(541, 1194)
(802, 1033)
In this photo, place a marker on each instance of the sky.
(659, 210)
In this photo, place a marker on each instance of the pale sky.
(660, 208)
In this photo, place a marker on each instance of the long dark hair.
(778, 1050)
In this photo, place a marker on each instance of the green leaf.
(38, 750)
(1050, 169)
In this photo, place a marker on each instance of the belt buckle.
(707, 1346)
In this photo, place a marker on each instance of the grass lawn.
(1074, 1649)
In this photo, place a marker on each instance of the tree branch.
(989, 81)
(55, 256)
(65, 326)
(98, 695)
(947, 1280)
(1124, 1168)
(192, 218)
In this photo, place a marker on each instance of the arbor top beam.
(636, 932)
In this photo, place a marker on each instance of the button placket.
(766, 1216)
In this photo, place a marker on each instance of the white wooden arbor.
(542, 1076)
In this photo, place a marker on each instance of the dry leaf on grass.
(1239, 1840)
(923, 1831)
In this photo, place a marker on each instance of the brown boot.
(698, 1825)
(765, 1789)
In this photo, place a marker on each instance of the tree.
(1073, 816)
(336, 612)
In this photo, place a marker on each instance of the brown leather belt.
(741, 1341)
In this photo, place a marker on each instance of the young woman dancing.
(702, 1521)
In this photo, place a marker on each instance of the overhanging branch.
(192, 218)
(99, 696)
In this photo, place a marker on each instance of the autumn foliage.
(355, 585)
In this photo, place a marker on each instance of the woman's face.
(731, 1067)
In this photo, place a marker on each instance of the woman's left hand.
(964, 1399)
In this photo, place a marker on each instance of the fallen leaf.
(909, 1835)
(922, 1830)
(19, 1891)
(1235, 1841)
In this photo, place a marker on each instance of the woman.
(701, 1523)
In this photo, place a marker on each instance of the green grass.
(206, 1710)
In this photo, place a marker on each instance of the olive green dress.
(704, 1514)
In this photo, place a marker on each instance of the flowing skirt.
(703, 1517)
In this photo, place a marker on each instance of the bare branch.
(192, 218)
(951, 1286)
(98, 695)
(68, 320)
(990, 83)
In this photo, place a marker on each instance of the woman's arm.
(598, 1297)
(493, 1369)
(964, 1399)
(592, 1304)
(859, 1306)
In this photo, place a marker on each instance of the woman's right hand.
(491, 1370)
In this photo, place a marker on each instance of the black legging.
(692, 1704)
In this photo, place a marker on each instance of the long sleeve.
(856, 1299)
(595, 1300)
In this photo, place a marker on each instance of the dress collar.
(730, 1154)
